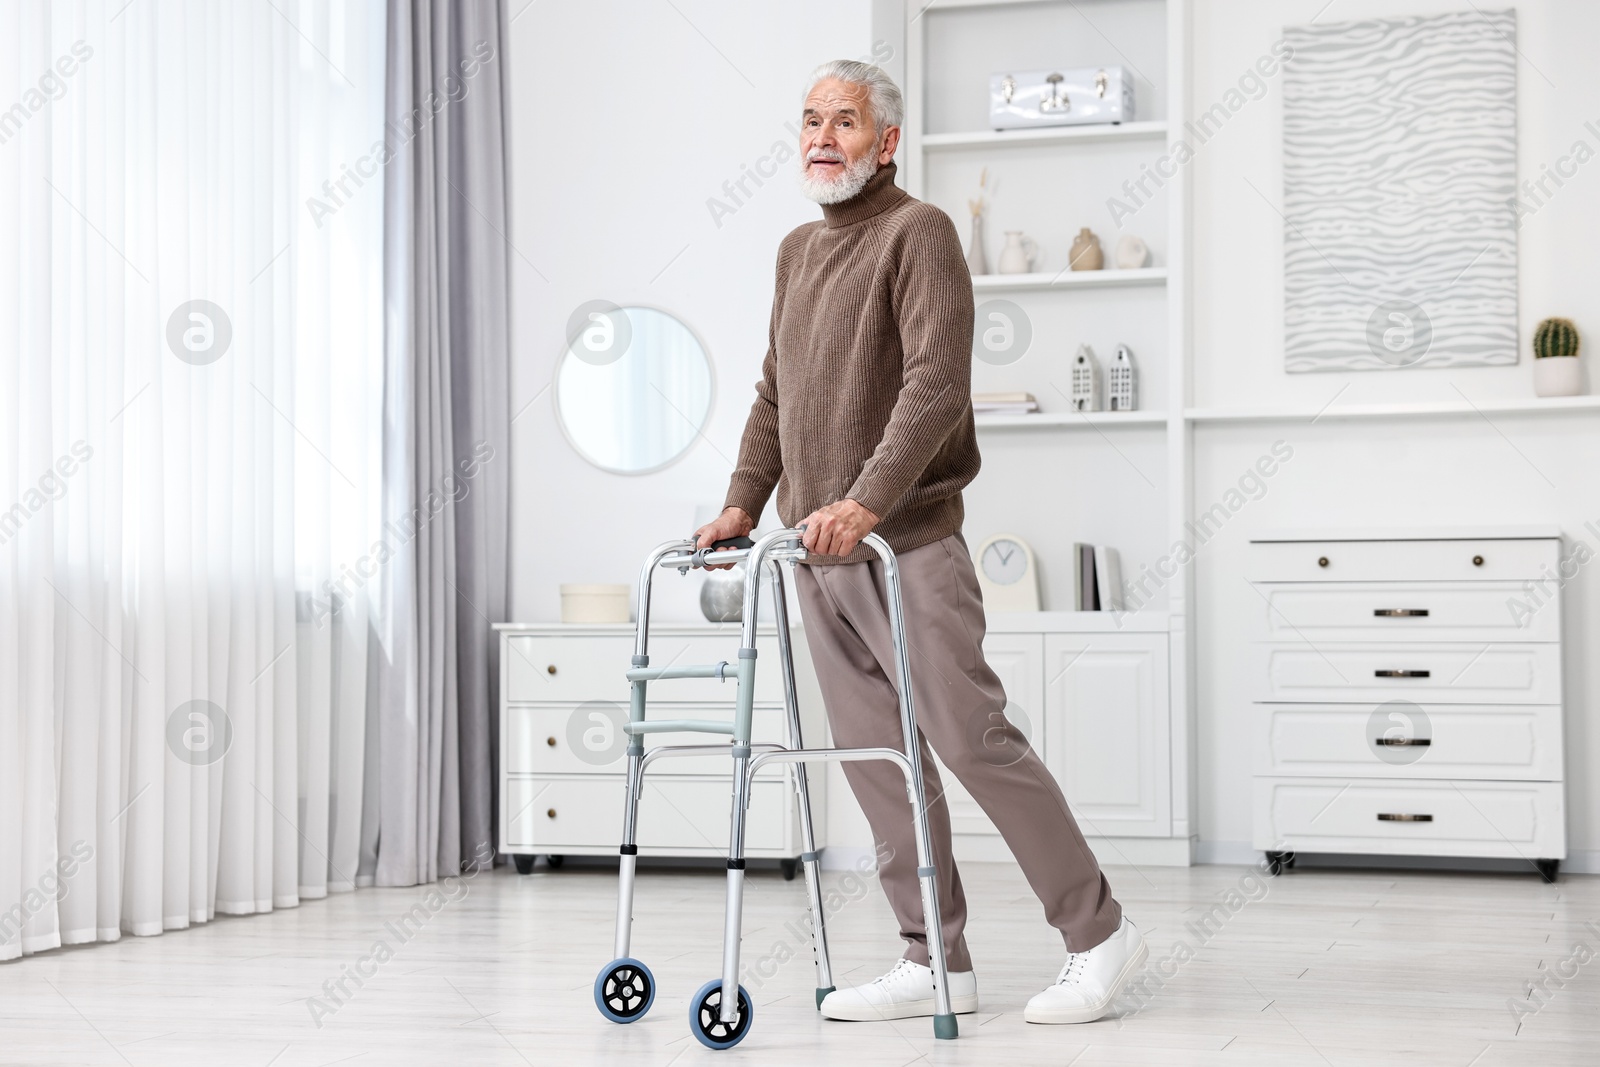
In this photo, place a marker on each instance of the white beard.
(838, 190)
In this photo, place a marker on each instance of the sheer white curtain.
(190, 391)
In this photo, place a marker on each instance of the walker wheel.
(624, 990)
(705, 1024)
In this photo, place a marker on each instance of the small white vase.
(1557, 376)
(1018, 254)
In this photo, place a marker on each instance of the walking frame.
(720, 1014)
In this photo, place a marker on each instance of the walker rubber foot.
(944, 1027)
(822, 992)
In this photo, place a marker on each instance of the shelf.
(1046, 135)
(1410, 410)
(1071, 420)
(1071, 279)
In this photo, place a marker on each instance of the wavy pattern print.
(1399, 174)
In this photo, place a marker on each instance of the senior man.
(863, 421)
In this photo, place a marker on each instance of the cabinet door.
(1106, 730)
(1019, 661)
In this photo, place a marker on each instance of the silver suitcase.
(1062, 97)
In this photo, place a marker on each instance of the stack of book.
(1004, 404)
(1096, 578)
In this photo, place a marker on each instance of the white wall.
(625, 118)
(621, 215)
(1535, 468)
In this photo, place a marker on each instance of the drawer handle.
(550, 669)
(550, 741)
(1381, 673)
(1477, 561)
(1403, 742)
(1391, 816)
(1401, 613)
(1322, 561)
(552, 814)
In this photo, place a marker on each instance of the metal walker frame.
(720, 1014)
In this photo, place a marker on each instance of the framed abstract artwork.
(1399, 193)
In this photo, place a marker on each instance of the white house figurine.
(1122, 388)
(1085, 380)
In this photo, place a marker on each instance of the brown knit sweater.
(866, 391)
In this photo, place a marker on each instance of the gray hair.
(888, 107)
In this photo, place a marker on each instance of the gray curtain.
(430, 790)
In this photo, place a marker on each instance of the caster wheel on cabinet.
(624, 990)
(524, 863)
(704, 1021)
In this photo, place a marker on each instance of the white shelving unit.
(1128, 480)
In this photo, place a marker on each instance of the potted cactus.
(1555, 359)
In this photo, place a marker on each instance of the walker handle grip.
(710, 556)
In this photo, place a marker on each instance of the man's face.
(838, 141)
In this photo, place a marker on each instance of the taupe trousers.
(959, 703)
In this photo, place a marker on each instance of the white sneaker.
(906, 992)
(1091, 981)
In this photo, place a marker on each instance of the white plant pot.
(1557, 376)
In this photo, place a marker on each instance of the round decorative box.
(595, 603)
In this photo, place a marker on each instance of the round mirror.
(633, 388)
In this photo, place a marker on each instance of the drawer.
(1445, 674)
(1416, 611)
(1510, 741)
(1402, 561)
(588, 739)
(572, 669)
(1512, 819)
(548, 814)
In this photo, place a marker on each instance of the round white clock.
(1007, 574)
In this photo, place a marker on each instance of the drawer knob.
(1403, 742)
(550, 741)
(550, 669)
(1400, 613)
(1382, 673)
(550, 814)
(1477, 561)
(1322, 561)
(1391, 816)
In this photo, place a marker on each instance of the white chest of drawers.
(563, 700)
(1408, 695)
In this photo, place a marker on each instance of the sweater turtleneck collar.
(877, 196)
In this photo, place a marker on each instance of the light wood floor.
(1327, 967)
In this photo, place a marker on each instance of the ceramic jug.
(1019, 253)
(1086, 253)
